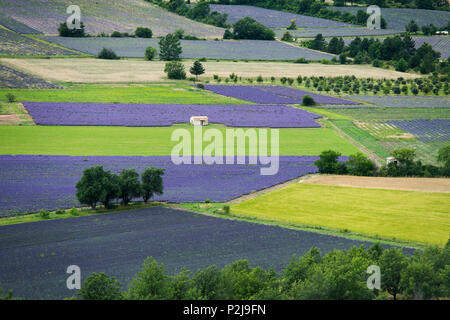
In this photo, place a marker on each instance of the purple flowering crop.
(35, 255)
(434, 130)
(31, 183)
(148, 115)
(272, 94)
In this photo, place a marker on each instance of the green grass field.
(125, 141)
(417, 217)
(371, 113)
(175, 93)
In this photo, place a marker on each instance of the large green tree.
(152, 183)
(392, 264)
(130, 186)
(170, 48)
(99, 286)
(248, 28)
(90, 188)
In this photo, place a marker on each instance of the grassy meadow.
(409, 216)
(145, 141)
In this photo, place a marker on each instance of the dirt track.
(411, 184)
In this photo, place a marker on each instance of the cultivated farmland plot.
(398, 18)
(15, 25)
(273, 18)
(11, 78)
(405, 101)
(35, 256)
(336, 32)
(435, 130)
(105, 16)
(12, 43)
(272, 94)
(439, 44)
(32, 183)
(157, 115)
(231, 49)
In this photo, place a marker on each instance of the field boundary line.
(372, 155)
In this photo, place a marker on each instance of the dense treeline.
(398, 51)
(307, 7)
(403, 164)
(101, 186)
(416, 4)
(338, 275)
(199, 12)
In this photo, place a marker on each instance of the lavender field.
(272, 94)
(194, 49)
(11, 78)
(336, 32)
(12, 43)
(15, 25)
(439, 44)
(273, 18)
(35, 256)
(405, 101)
(32, 183)
(429, 130)
(105, 16)
(158, 115)
(398, 18)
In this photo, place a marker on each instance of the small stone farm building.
(199, 120)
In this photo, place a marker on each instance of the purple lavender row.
(149, 115)
(31, 183)
(272, 94)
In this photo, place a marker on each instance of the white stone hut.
(199, 120)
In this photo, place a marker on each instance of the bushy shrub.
(150, 53)
(65, 31)
(142, 32)
(287, 37)
(60, 211)
(308, 101)
(99, 286)
(44, 214)
(208, 201)
(201, 86)
(227, 35)
(108, 54)
(74, 212)
(301, 60)
(226, 209)
(116, 34)
(175, 70)
(10, 97)
(259, 79)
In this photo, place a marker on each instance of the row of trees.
(65, 31)
(398, 51)
(415, 4)
(338, 275)
(200, 11)
(404, 164)
(101, 186)
(428, 30)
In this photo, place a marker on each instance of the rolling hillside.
(106, 16)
